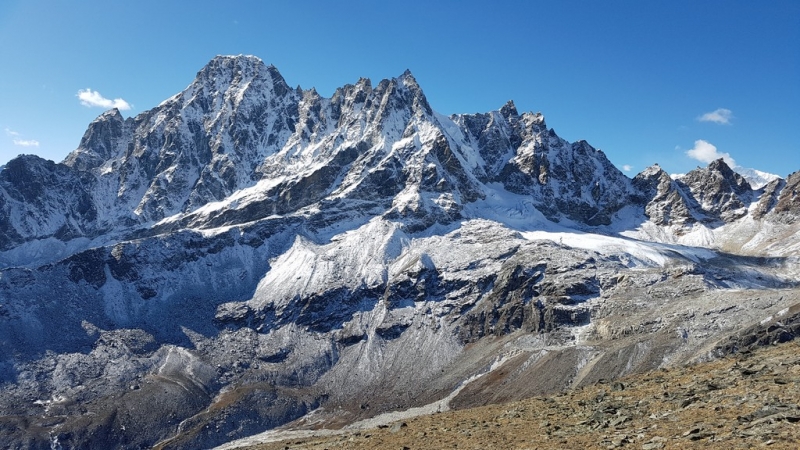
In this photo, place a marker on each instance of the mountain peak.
(98, 143)
(225, 68)
(419, 101)
(509, 109)
(718, 164)
(111, 114)
(230, 77)
(756, 178)
(235, 59)
(651, 171)
(408, 80)
(736, 181)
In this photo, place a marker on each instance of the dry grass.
(743, 401)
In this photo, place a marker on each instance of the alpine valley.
(247, 256)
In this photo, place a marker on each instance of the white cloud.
(26, 142)
(21, 142)
(706, 152)
(627, 167)
(721, 116)
(92, 98)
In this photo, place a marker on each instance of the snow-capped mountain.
(756, 178)
(246, 254)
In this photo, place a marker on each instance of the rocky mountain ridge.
(245, 254)
(239, 126)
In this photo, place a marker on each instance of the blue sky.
(632, 78)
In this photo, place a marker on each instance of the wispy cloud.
(706, 152)
(17, 140)
(721, 116)
(26, 142)
(92, 98)
(627, 167)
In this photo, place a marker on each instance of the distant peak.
(309, 94)
(719, 165)
(756, 178)
(110, 116)
(534, 119)
(364, 83)
(719, 169)
(652, 170)
(407, 78)
(408, 81)
(112, 113)
(227, 65)
(224, 71)
(252, 59)
(509, 109)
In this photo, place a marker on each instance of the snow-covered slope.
(246, 254)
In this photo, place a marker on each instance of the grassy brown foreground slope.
(746, 400)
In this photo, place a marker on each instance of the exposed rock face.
(574, 181)
(246, 253)
(40, 199)
(788, 202)
(101, 141)
(666, 202)
(719, 192)
(708, 195)
(769, 198)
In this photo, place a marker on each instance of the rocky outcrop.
(788, 202)
(40, 199)
(665, 202)
(769, 198)
(566, 180)
(718, 191)
(711, 196)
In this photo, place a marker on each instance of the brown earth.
(747, 400)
